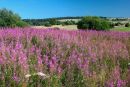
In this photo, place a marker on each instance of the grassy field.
(67, 27)
(122, 28)
(74, 27)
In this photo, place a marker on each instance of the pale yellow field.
(67, 27)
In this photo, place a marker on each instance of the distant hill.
(60, 19)
(40, 22)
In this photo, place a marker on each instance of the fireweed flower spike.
(97, 57)
(128, 78)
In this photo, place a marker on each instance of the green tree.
(69, 22)
(93, 23)
(9, 19)
(52, 21)
(47, 24)
(127, 25)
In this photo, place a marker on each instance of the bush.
(21, 24)
(71, 22)
(10, 19)
(93, 23)
(112, 25)
(47, 24)
(52, 21)
(118, 24)
(58, 23)
(127, 25)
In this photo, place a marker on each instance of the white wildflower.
(27, 76)
(39, 74)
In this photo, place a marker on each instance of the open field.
(67, 27)
(74, 27)
(121, 28)
(60, 58)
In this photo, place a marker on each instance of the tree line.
(49, 22)
(11, 19)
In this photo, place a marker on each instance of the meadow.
(32, 57)
(121, 28)
(61, 27)
(74, 27)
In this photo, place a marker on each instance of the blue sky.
(61, 8)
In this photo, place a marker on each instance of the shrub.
(112, 25)
(93, 23)
(119, 24)
(10, 19)
(47, 24)
(52, 21)
(58, 23)
(21, 24)
(127, 25)
(71, 22)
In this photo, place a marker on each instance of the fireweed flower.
(79, 62)
(66, 48)
(16, 78)
(23, 60)
(51, 66)
(116, 73)
(59, 70)
(109, 83)
(46, 60)
(13, 55)
(53, 63)
(18, 46)
(1, 61)
(121, 83)
(39, 60)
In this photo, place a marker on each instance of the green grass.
(121, 28)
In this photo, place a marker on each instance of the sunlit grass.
(122, 28)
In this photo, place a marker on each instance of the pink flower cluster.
(97, 54)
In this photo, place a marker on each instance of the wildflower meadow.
(59, 58)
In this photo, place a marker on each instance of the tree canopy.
(10, 19)
(94, 23)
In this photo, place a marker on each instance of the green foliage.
(123, 64)
(47, 24)
(120, 19)
(118, 24)
(34, 40)
(127, 25)
(10, 19)
(69, 22)
(73, 78)
(40, 22)
(52, 21)
(112, 25)
(21, 24)
(94, 23)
